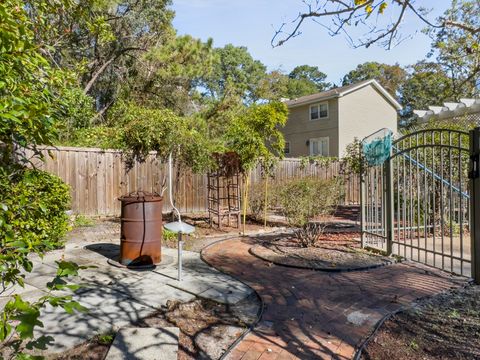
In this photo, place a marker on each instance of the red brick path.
(319, 315)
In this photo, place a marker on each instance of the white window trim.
(319, 139)
(318, 105)
(285, 148)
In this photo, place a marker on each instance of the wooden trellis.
(224, 196)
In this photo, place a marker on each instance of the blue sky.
(251, 23)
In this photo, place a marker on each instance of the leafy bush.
(163, 131)
(256, 200)
(32, 220)
(32, 217)
(351, 162)
(76, 112)
(28, 84)
(303, 199)
(255, 135)
(19, 317)
(100, 136)
(317, 160)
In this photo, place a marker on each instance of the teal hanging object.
(377, 147)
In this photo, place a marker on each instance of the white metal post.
(180, 248)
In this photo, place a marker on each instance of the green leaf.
(40, 343)
(23, 356)
(26, 314)
(67, 268)
(5, 329)
(71, 306)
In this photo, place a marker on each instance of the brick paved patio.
(318, 315)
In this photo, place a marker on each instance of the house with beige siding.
(325, 123)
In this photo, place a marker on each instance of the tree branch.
(104, 66)
(316, 14)
(347, 12)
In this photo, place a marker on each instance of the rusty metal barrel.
(141, 229)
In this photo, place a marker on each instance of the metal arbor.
(423, 202)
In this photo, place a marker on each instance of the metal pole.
(390, 213)
(362, 200)
(474, 175)
(180, 248)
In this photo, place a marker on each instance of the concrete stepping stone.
(145, 344)
(69, 330)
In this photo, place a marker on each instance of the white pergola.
(449, 110)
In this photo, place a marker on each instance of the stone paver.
(145, 344)
(116, 297)
(318, 315)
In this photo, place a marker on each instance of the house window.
(320, 146)
(319, 111)
(286, 150)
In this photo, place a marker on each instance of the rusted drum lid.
(140, 196)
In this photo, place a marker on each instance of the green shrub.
(301, 200)
(100, 136)
(256, 201)
(32, 217)
(77, 111)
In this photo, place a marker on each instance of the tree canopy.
(235, 74)
(29, 86)
(306, 80)
(457, 49)
(391, 77)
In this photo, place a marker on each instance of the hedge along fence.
(97, 178)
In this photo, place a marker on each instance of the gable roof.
(342, 91)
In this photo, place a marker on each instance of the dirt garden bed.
(205, 234)
(446, 326)
(335, 251)
(207, 329)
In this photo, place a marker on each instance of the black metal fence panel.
(418, 204)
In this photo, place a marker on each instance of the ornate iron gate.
(420, 202)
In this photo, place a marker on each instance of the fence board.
(97, 179)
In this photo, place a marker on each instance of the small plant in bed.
(105, 339)
(83, 221)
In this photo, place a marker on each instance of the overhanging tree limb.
(344, 14)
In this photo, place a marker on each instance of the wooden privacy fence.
(97, 178)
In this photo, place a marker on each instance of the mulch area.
(338, 251)
(446, 326)
(207, 329)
